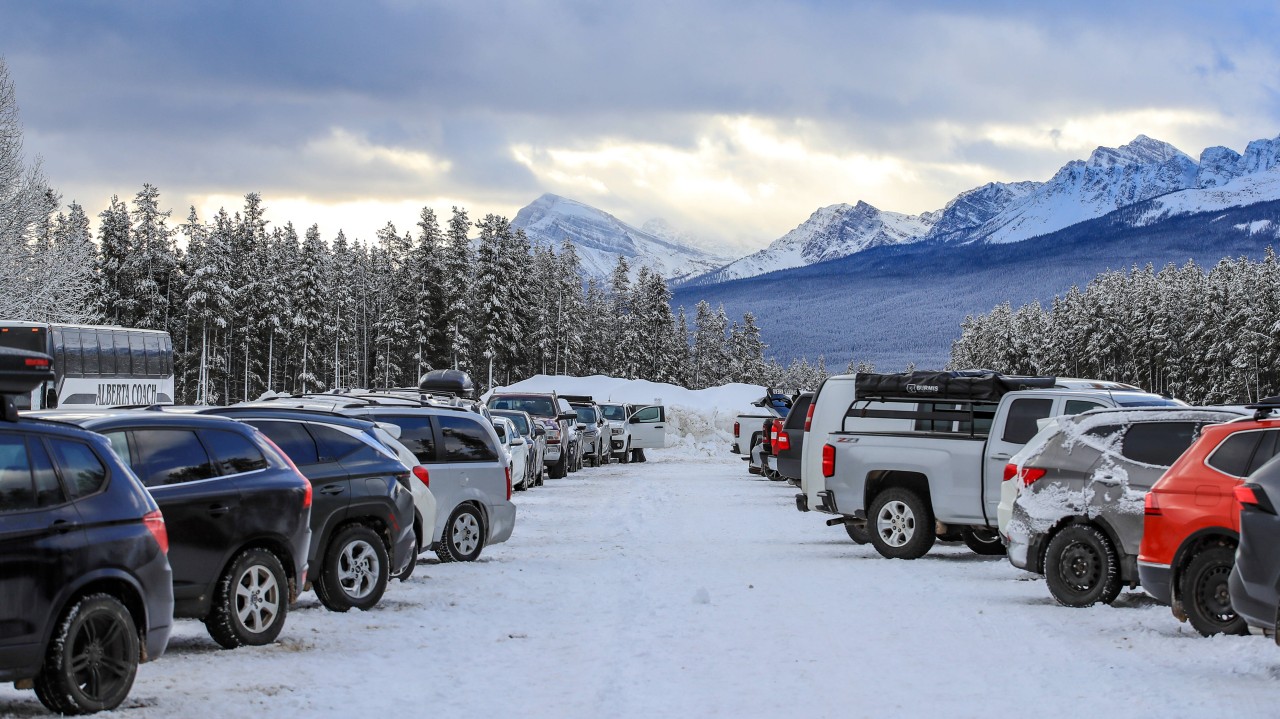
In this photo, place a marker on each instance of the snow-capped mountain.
(829, 233)
(600, 238)
(976, 207)
(1112, 177)
(1226, 179)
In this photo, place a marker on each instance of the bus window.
(58, 348)
(139, 353)
(121, 341)
(74, 365)
(166, 350)
(155, 366)
(89, 348)
(106, 352)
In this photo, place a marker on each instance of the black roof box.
(579, 398)
(22, 371)
(975, 385)
(448, 381)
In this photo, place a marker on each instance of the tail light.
(777, 427)
(1252, 495)
(1010, 471)
(1027, 475)
(37, 362)
(1151, 505)
(828, 461)
(782, 443)
(422, 474)
(154, 522)
(808, 415)
(737, 430)
(508, 482)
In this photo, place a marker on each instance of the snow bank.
(699, 422)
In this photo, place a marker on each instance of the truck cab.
(912, 456)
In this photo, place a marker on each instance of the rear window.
(334, 444)
(291, 437)
(795, 419)
(170, 456)
(1158, 443)
(233, 452)
(520, 421)
(82, 471)
(614, 412)
(1020, 426)
(464, 440)
(415, 434)
(17, 490)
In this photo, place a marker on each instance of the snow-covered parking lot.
(685, 587)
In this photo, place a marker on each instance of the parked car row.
(114, 522)
(1096, 486)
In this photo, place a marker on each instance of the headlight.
(617, 430)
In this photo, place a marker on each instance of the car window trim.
(1210, 456)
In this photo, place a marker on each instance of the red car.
(1192, 522)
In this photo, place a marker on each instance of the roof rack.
(1265, 408)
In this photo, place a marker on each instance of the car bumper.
(1024, 552)
(618, 444)
(502, 521)
(1254, 602)
(1156, 580)
(552, 454)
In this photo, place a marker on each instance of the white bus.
(96, 365)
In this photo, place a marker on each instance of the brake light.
(1252, 495)
(1151, 506)
(775, 429)
(37, 362)
(808, 414)
(508, 482)
(306, 492)
(1010, 471)
(422, 474)
(154, 522)
(1027, 475)
(782, 443)
(828, 461)
(737, 430)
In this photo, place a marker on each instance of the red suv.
(1192, 523)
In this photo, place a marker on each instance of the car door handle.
(1001, 456)
(333, 489)
(61, 526)
(657, 426)
(217, 510)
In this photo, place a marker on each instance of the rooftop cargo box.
(448, 381)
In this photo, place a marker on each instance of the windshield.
(522, 426)
(586, 415)
(32, 339)
(614, 411)
(536, 406)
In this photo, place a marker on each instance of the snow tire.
(1204, 594)
(250, 601)
(1081, 567)
(354, 570)
(92, 659)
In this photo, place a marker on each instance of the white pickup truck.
(749, 428)
(912, 457)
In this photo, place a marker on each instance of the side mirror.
(539, 432)
(518, 442)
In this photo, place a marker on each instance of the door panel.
(649, 427)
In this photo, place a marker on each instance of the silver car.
(1078, 520)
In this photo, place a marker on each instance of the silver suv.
(1079, 518)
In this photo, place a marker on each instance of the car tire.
(96, 637)
(984, 541)
(625, 457)
(900, 524)
(250, 601)
(561, 467)
(1081, 567)
(463, 537)
(355, 570)
(1204, 595)
(859, 535)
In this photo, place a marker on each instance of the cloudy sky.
(732, 119)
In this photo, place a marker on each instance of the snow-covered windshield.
(614, 412)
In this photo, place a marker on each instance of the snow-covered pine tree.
(116, 301)
(207, 304)
(426, 263)
(459, 267)
(309, 309)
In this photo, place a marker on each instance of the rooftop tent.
(448, 381)
(974, 385)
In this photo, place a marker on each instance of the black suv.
(237, 511)
(362, 519)
(85, 587)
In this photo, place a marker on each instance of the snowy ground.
(686, 587)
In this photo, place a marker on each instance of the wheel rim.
(1080, 567)
(896, 523)
(465, 533)
(1213, 596)
(358, 569)
(257, 599)
(99, 661)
